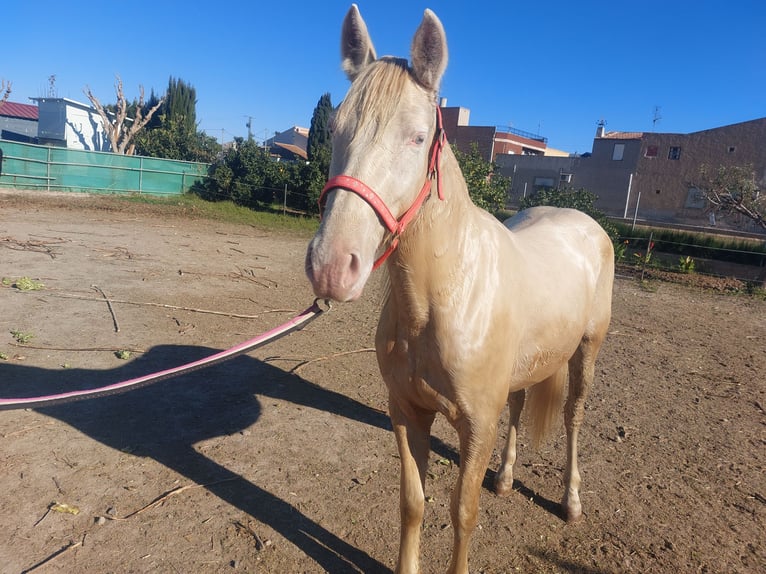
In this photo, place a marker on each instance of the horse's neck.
(432, 247)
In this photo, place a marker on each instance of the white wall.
(70, 124)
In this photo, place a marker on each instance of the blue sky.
(553, 68)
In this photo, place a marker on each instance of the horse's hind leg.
(413, 434)
(581, 372)
(504, 478)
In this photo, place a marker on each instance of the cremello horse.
(477, 313)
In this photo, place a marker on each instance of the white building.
(67, 123)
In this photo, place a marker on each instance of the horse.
(477, 314)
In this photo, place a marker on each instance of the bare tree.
(733, 188)
(120, 129)
(5, 91)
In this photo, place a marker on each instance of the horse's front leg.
(413, 434)
(477, 439)
(504, 478)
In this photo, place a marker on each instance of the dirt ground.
(282, 460)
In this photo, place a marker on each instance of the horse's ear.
(356, 47)
(429, 52)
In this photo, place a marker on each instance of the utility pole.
(249, 125)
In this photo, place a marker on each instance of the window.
(652, 151)
(695, 199)
(674, 152)
(732, 149)
(565, 178)
(617, 153)
(541, 182)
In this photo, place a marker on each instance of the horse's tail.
(544, 403)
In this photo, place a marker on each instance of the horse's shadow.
(165, 420)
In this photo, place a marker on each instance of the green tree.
(314, 176)
(319, 134)
(731, 189)
(172, 133)
(487, 188)
(181, 104)
(247, 175)
(156, 120)
(580, 199)
(172, 140)
(319, 153)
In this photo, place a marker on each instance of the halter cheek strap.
(395, 226)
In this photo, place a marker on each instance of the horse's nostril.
(355, 265)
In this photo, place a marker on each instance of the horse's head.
(383, 136)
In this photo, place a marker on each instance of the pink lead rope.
(294, 324)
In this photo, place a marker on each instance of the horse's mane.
(375, 93)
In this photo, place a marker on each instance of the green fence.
(27, 166)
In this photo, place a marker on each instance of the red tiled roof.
(16, 110)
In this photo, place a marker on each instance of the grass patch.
(24, 284)
(192, 205)
(697, 245)
(21, 337)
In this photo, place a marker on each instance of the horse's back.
(568, 265)
(550, 233)
(537, 219)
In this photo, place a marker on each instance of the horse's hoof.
(574, 518)
(503, 486)
(572, 513)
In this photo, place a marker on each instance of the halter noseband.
(395, 226)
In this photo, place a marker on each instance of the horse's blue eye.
(419, 139)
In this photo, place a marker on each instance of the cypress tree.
(181, 104)
(319, 136)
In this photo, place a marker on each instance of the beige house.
(650, 176)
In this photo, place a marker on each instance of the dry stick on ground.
(333, 356)
(156, 502)
(31, 245)
(77, 349)
(165, 306)
(111, 309)
(259, 544)
(57, 554)
(163, 497)
(25, 429)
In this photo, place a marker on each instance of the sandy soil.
(282, 460)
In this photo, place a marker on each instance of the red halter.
(394, 225)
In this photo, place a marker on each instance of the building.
(650, 176)
(18, 122)
(67, 123)
(491, 141)
(290, 144)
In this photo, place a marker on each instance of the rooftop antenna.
(656, 118)
(52, 86)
